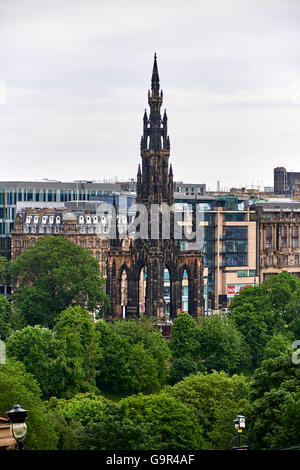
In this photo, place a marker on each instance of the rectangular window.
(268, 237)
(242, 273)
(234, 217)
(285, 260)
(252, 272)
(296, 260)
(235, 233)
(236, 260)
(283, 237)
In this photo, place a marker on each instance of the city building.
(86, 224)
(43, 192)
(286, 182)
(278, 230)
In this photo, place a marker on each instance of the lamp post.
(239, 425)
(17, 417)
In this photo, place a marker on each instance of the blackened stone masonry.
(154, 186)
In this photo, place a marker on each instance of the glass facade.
(235, 246)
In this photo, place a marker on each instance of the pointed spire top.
(139, 170)
(171, 170)
(155, 76)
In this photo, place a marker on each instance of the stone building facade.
(278, 244)
(151, 256)
(87, 230)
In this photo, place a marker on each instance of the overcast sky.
(74, 77)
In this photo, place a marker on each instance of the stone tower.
(156, 252)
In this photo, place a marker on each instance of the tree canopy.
(17, 386)
(52, 275)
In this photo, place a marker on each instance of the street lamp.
(239, 425)
(17, 417)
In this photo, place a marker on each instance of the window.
(239, 259)
(268, 237)
(242, 273)
(252, 272)
(235, 233)
(294, 237)
(296, 259)
(283, 232)
(234, 217)
(270, 261)
(285, 260)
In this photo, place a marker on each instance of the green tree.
(82, 408)
(115, 376)
(116, 431)
(134, 357)
(64, 363)
(3, 269)
(5, 318)
(35, 348)
(77, 353)
(261, 312)
(182, 367)
(176, 423)
(274, 395)
(144, 336)
(184, 337)
(18, 386)
(278, 345)
(52, 275)
(222, 346)
(216, 398)
(185, 348)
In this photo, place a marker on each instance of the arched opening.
(185, 291)
(142, 290)
(124, 293)
(167, 292)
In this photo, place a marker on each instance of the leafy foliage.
(5, 317)
(133, 357)
(222, 346)
(52, 275)
(216, 398)
(116, 431)
(18, 386)
(175, 422)
(274, 397)
(269, 309)
(64, 363)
